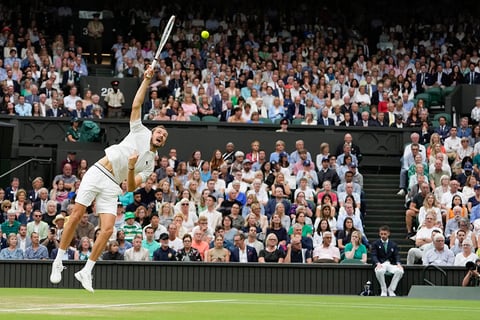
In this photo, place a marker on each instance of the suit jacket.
(74, 114)
(444, 133)
(444, 78)
(330, 175)
(42, 229)
(331, 122)
(131, 72)
(359, 117)
(145, 255)
(76, 79)
(224, 117)
(476, 78)
(251, 254)
(216, 105)
(370, 123)
(428, 81)
(380, 256)
(375, 99)
(60, 113)
(32, 99)
(291, 110)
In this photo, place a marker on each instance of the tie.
(325, 122)
(385, 246)
(423, 78)
(471, 77)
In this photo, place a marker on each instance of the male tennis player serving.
(132, 159)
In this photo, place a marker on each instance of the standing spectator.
(114, 100)
(386, 258)
(95, 32)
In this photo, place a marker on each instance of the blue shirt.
(24, 110)
(40, 253)
(16, 254)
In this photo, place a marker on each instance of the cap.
(164, 236)
(352, 165)
(239, 154)
(247, 161)
(398, 116)
(476, 98)
(306, 163)
(273, 163)
(325, 159)
(129, 215)
(468, 166)
(283, 154)
(6, 29)
(75, 119)
(115, 83)
(476, 187)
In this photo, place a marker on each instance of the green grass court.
(121, 304)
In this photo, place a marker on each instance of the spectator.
(36, 250)
(137, 252)
(440, 255)
(11, 252)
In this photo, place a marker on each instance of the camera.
(52, 230)
(472, 266)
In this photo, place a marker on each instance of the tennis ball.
(205, 34)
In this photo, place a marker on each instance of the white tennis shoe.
(56, 275)
(85, 279)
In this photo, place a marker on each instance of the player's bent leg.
(67, 236)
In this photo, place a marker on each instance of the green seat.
(351, 261)
(210, 119)
(365, 108)
(277, 121)
(425, 97)
(448, 90)
(297, 121)
(266, 120)
(435, 124)
(194, 118)
(443, 114)
(436, 96)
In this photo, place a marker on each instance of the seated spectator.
(188, 253)
(440, 255)
(356, 250)
(466, 255)
(112, 252)
(218, 253)
(271, 253)
(36, 250)
(11, 252)
(322, 227)
(137, 252)
(415, 254)
(164, 253)
(325, 252)
(295, 253)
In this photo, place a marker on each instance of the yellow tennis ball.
(205, 34)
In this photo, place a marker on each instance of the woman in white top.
(322, 227)
(466, 255)
(429, 204)
(443, 188)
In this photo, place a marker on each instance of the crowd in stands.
(257, 69)
(206, 208)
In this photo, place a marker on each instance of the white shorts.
(98, 184)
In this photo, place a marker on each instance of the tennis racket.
(163, 40)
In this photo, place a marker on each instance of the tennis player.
(132, 159)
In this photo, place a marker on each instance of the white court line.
(349, 305)
(103, 306)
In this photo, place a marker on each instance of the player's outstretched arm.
(140, 95)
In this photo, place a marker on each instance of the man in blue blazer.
(386, 258)
(241, 251)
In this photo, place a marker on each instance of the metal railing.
(24, 164)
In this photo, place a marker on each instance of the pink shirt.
(189, 109)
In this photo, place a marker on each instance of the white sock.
(89, 266)
(60, 254)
